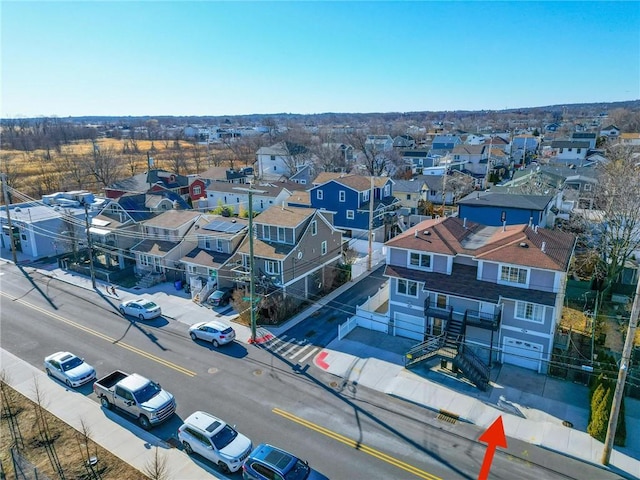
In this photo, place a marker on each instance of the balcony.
(485, 320)
(433, 310)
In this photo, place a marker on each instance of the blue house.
(495, 209)
(348, 197)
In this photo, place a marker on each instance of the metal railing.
(477, 363)
(424, 349)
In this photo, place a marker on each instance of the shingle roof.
(361, 183)
(284, 216)
(206, 258)
(465, 149)
(300, 198)
(549, 249)
(407, 186)
(172, 218)
(499, 199)
(463, 282)
(569, 144)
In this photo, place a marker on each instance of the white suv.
(215, 440)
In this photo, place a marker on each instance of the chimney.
(464, 222)
(535, 229)
(544, 247)
(530, 222)
(415, 233)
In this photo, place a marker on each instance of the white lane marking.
(308, 355)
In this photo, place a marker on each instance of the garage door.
(521, 353)
(409, 326)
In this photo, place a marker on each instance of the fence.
(24, 469)
(366, 316)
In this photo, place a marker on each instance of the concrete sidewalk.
(376, 361)
(110, 430)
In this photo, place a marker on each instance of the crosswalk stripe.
(281, 347)
(308, 355)
(300, 351)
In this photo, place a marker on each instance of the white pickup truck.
(137, 396)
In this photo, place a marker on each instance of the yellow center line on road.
(107, 338)
(358, 446)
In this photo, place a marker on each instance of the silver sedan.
(141, 308)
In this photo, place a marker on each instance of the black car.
(220, 297)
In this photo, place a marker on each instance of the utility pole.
(252, 284)
(90, 245)
(622, 377)
(12, 240)
(371, 195)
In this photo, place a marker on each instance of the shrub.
(597, 428)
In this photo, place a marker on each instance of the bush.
(597, 428)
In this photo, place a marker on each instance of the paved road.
(345, 432)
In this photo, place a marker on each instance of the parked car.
(69, 368)
(216, 332)
(215, 440)
(220, 297)
(136, 396)
(141, 308)
(267, 462)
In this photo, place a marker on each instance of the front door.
(435, 327)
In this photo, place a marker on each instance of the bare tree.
(157, 468)
(74, 168)
(177, 159)
(196, 156)
(104, 165)
(617, 198)
(371, 155)
(459, 185)
(10, 169)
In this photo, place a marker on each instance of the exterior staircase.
(450, 345)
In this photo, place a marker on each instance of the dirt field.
(71, 447)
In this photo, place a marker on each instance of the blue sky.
(234, 58)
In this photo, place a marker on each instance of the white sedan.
(69, 368)
(141, 308)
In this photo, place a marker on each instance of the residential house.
(153, 180)
(227, 175)
(475, 158)
(303, 176)
(404, 142)
(348, 198)
(569, 151)
(49, 228)
(281, 160)
(478, 294)
(610, 131)
(236, 197)
(409, 193)
(585, 137)
(295, 252)
(417, 160)
(521, 144)
(495, 209)
(630, 139)
(378, 143)
(443, 144)
(207, 266)
(165, 242)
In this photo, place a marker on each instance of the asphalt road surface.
(346, 432)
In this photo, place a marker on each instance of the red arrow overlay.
(493, 437)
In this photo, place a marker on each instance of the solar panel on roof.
(223, 226)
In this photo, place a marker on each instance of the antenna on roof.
(544, 247)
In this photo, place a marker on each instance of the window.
(145, 260)
(273, 157)
(266, 232)
(407, 287)
(513, 275)
(271, 267)
(319, 194)
(365, 196)
(207, 244)
(197, 190)
(350, 215)
(578, 150)
(530, 311)
(441, 301)
(387, 190)
(323, 248)
(281, 234)
(420, 260)
(192, 269)
(408, 196)
(433, 193)
(587, 187)
(342, 195)
(275, 169)
(314, 227)
(219, 244)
